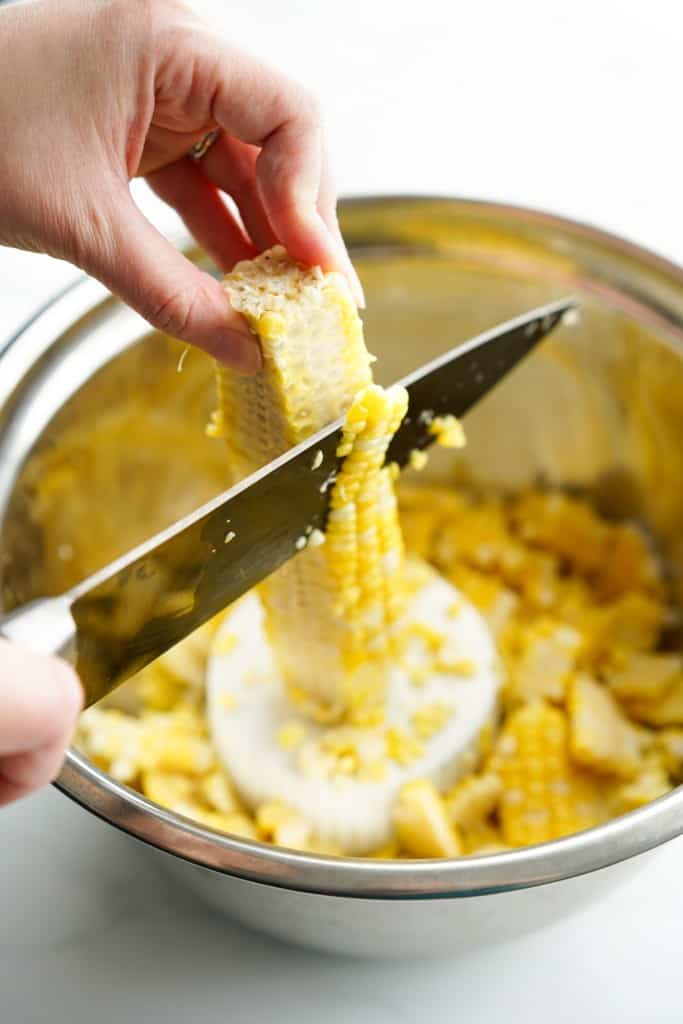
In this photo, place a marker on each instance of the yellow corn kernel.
(430, 719)
(186, 662)
(445, 503)
(535, 575)
(567, 527)
(389, 852)
(421, 822)
(548, 654)
(174, 741)
(448, 431)
(401, 747)
(418, 459)
(544, 796)
(291, 735)
(651, 782)
(666, 711)
(670, 741)
(601, 736)
(433, 639)
(488, 841)
(633, 621)
(322, 846)
(478, 537)
(453, 665)
(216, 790)
(176, 752)
(157, 689)
(648, 677)
(629, 565)
(373, 770)
(170, 790)
(496, 603)
(112, 739)
(472, 801)
(235, 824)
(279, 825)
(419, 674)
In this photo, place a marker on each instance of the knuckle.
(174, 312)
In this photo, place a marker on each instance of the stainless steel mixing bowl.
(88, 397)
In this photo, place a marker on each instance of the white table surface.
(572, 107)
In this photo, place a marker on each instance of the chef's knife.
(117, 621)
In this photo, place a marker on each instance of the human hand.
(92, 95)
(40, 699)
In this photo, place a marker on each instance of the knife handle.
(45, 626)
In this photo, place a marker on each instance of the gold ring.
(202, 147)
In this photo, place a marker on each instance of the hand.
(40, 699)
(92, 95)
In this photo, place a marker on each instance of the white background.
(569, 106)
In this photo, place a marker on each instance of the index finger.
(261, 107)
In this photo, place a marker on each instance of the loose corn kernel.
(430, 719)
(670, 741)
(651, 782)
(548, 654)
(215, 788)
(234, 824)
(401, 747)
(565, 526)
(448, 431)
(418, 459)
(601, 736)
(422, 824)
(666, 711)
(291, 735)
(171, 790)
(472, 801)
(646, 677)
(282, 826)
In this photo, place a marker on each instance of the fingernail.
(345, 264)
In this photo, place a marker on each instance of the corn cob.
(330, 605)
(544, 796)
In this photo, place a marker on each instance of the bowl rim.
(617, 840)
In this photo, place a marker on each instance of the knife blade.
(118, 620)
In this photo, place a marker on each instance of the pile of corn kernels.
(591, 722)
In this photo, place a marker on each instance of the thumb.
(39, 702)
(142, 267)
